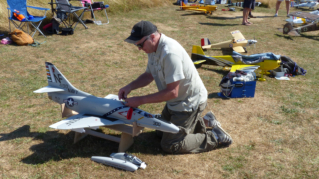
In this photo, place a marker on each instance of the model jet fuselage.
(95, 111)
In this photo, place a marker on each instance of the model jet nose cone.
(170, 128)
(175, 130)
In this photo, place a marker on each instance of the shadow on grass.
(235, 17)
(216, 24)
(193, 14)
(264, 17)
(287, 37)
(58, 146)
(224, 18)
(312, 37)
(215, 95)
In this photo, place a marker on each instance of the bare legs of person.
(278, 5)
(277, 8)
(287, 6)
(245, 16)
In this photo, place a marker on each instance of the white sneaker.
(223, 138)
(211, 120)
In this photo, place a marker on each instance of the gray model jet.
(93, 111)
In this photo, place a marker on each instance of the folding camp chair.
(19, 7)
(91, 8)
(64, 11)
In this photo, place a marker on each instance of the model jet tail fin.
(58, 83)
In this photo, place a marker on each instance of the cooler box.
(241, 89)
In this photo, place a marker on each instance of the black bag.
(67, 31)
(98, 5)
(292, 66)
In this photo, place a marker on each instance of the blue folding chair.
(21, 7)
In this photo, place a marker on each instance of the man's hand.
(123, 92)
(134, 102)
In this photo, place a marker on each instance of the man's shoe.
(251, 16)
(211, 120)
(223, 138)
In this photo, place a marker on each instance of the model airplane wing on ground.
(312, 16)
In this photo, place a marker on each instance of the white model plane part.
(300, 20)
(117, 163)
(92, 111)
(129, 157)
(237, 43)
(310, 4)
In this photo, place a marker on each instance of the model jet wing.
(85, 121)
(247, 68)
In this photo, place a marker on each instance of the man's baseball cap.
(140, 30)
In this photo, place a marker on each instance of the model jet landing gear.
(245, 49)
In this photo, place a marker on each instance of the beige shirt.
(171, 63)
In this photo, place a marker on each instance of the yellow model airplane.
(266, 61)
(207, 9)
(237, 44)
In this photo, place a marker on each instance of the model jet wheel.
(245, 49)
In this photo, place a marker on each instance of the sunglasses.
(140, 45)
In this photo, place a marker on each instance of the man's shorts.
(249, 4)
(283, 0)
